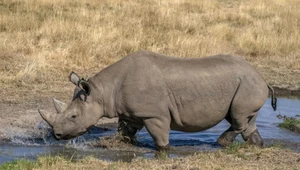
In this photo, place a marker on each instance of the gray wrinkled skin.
(164, 93)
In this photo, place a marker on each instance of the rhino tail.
(273, 99)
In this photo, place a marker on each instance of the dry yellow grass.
(243, 159)
(235, 157)
(41, 41)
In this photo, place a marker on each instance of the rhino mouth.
(68, 136)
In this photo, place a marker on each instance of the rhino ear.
(48, 117)
(85, 86)
(59, 106)
(74, 78)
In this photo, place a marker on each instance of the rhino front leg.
(128, 130)
(159, 131)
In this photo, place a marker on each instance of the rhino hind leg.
(227, 137)
(251, 134)
(246, 126)
(254, 138)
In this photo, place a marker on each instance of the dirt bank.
(286, 91)
(21, 119)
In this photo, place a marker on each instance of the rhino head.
(76, 118)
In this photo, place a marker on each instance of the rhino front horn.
(48, 117)
(59, 105)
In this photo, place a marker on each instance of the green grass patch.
(276, 144)
(44, 161)
(162, 155)
(289, 123)
(234, 147)
(18, 165)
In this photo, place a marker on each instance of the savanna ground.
(234, 158)
(42, 41)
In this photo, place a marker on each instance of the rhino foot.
(162, 151)
(163, 148)
(254, 139)
(227, 137)
(127, 131)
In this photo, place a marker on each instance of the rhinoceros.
(166, 93)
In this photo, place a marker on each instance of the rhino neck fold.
(109, 81)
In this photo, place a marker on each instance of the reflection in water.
(182, 143)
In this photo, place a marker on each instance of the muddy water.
(182, 143)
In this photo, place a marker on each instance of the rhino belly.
(197, 125)
(201, 114)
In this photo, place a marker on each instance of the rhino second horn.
(48, 117)
(59, 105)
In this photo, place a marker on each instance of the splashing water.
(79, 143)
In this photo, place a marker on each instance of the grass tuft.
(290, 123)
(235, 147)
(18, 165)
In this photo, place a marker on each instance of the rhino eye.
(74, 116)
